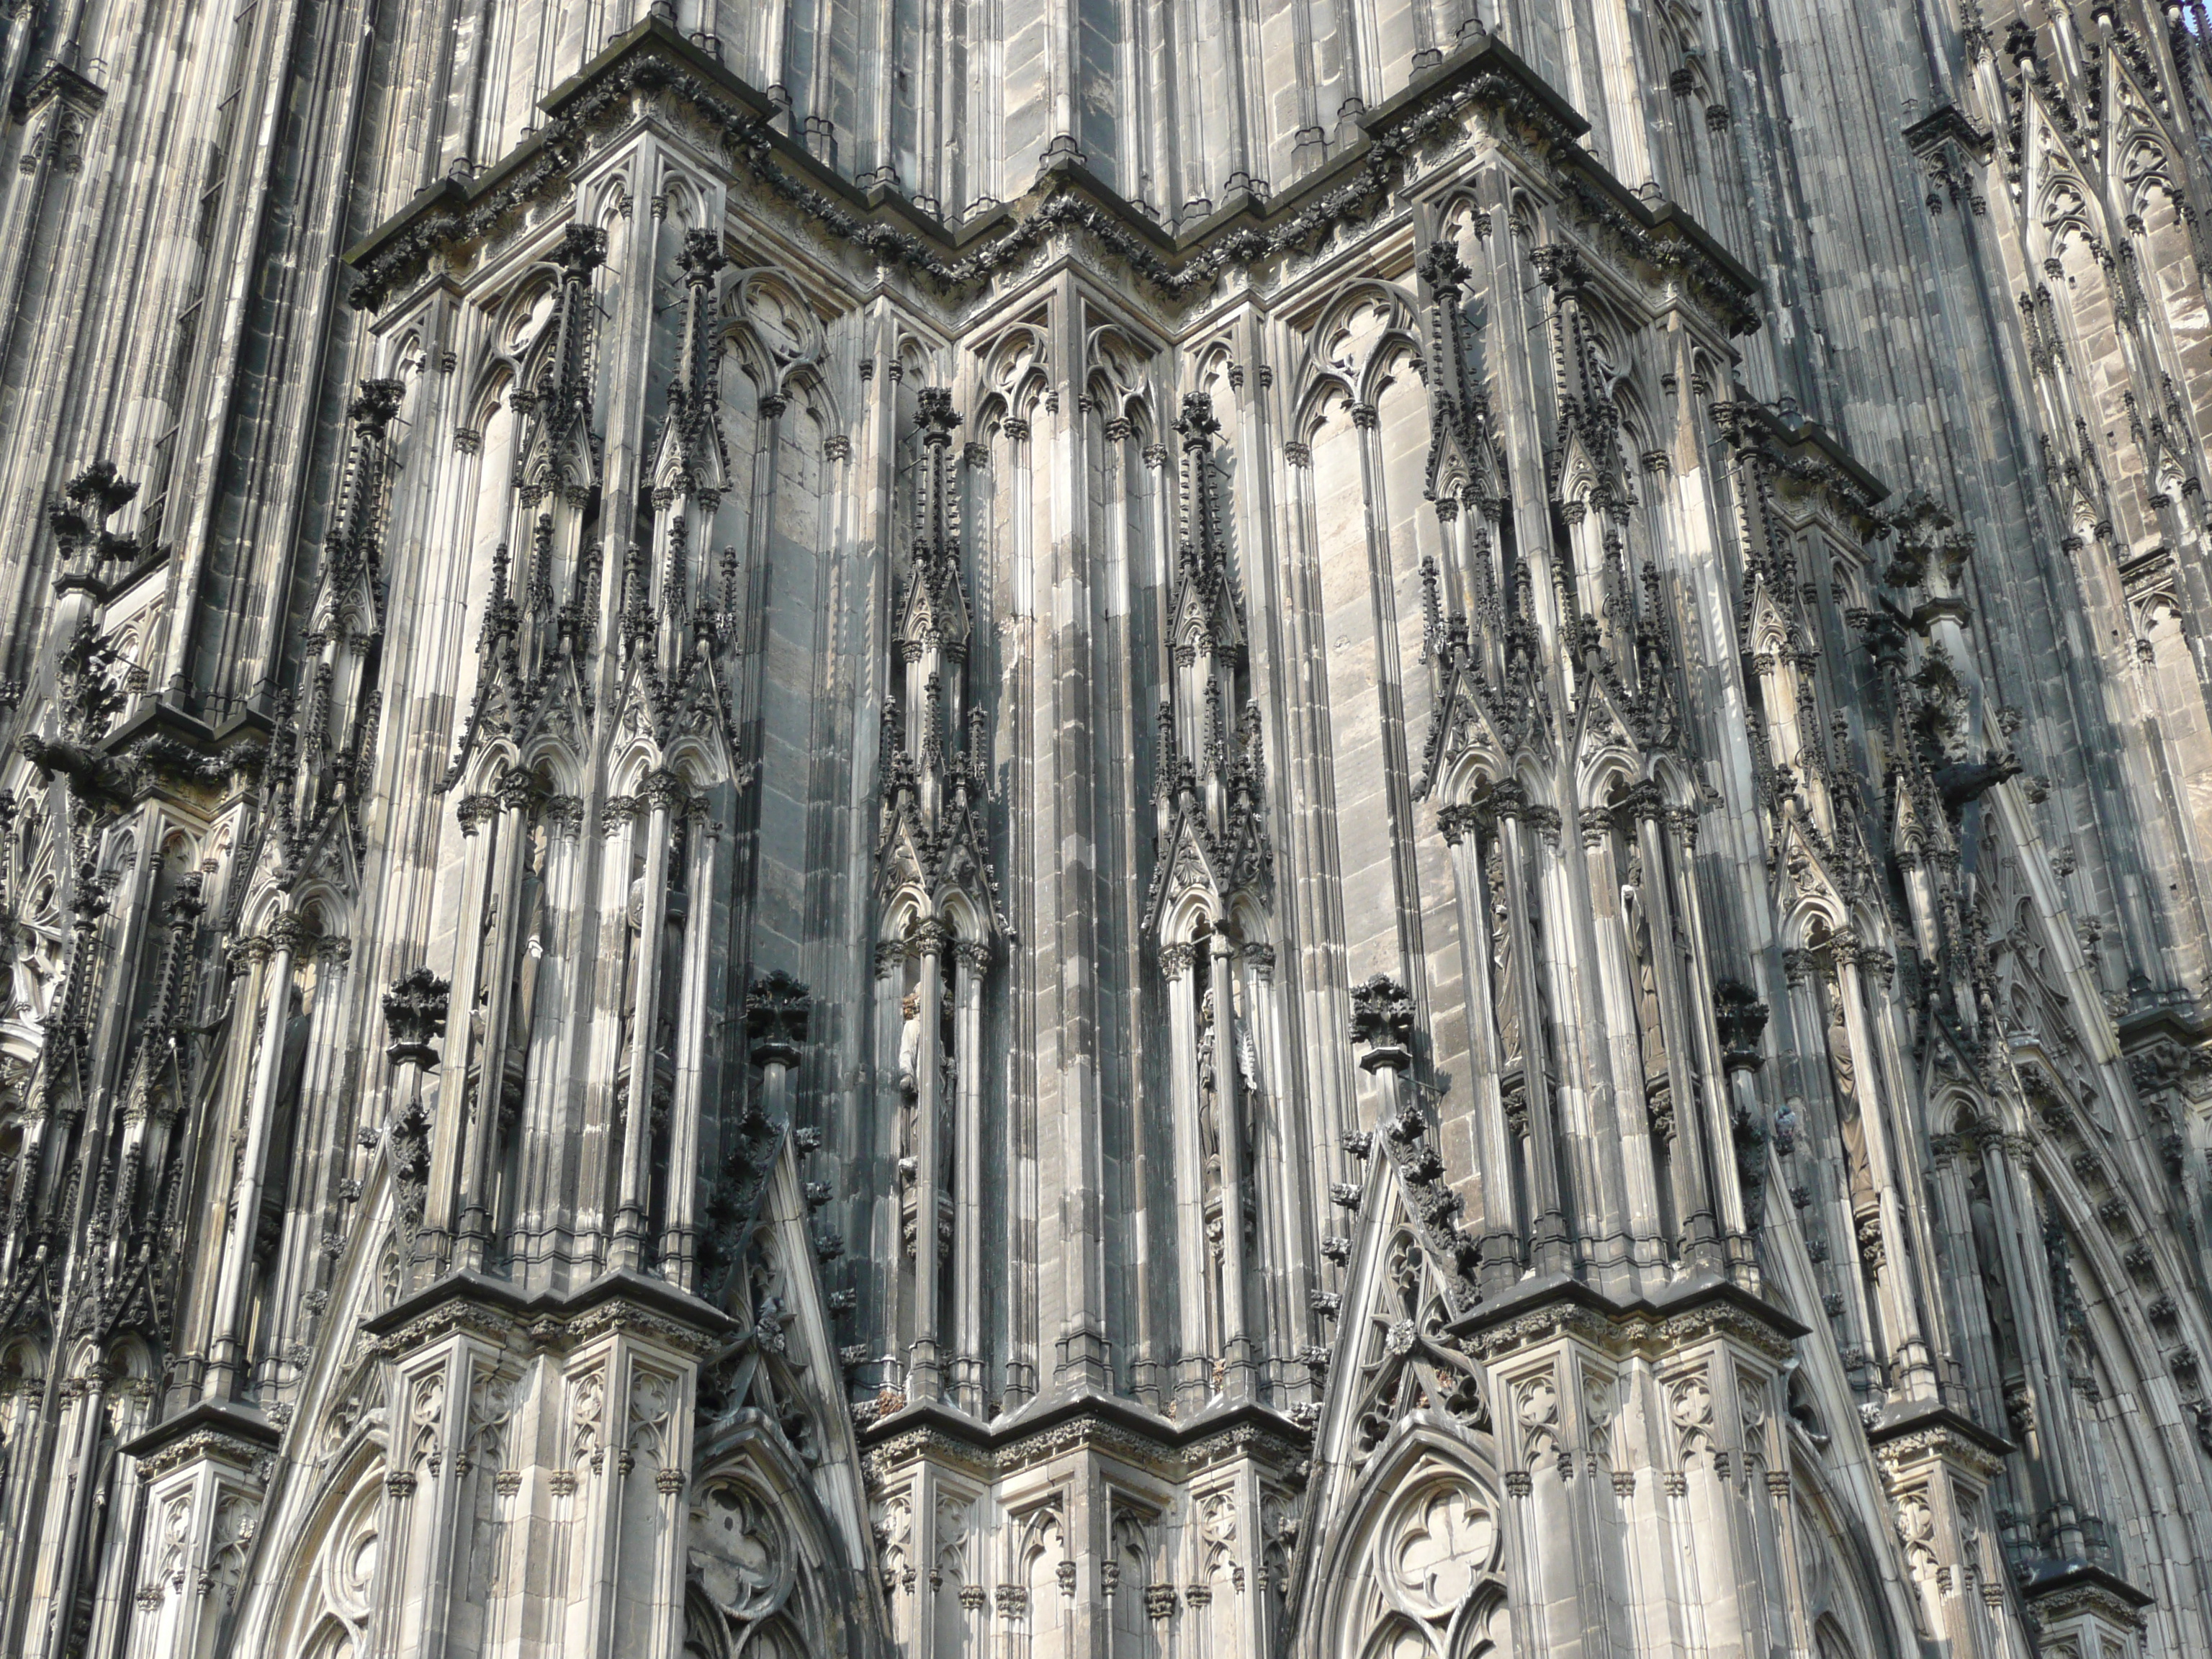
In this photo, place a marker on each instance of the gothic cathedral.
(1106, 829)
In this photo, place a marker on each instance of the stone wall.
(1060, 828)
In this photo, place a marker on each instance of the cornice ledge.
(1706, 1305)
(1066, 195)
(455, 210)
(58, 79)
(1917, 1429)
(1949, 122)
(1068, 1423)
(1666, 236)
(225, 1430)
(158, 717)
(2055, 1589)
(2169, 1016)
(1807, 453)
(495, 1311)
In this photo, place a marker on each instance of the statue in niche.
(1849, 1121)
(909, 1059)
(661, 1098)
(1637, 919)
(1247, 1055)
(476, 1011)
(1503, 997)
(1988, 1258)
(627, 1035)
(523, 993)
(1209, 1086)
(291, 1068)
(948, 1042)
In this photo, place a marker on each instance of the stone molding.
(653, 61)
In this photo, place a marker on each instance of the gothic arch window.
(22, 1372)
(2108, 1461)
(2164, 258)
(325, 1580)
(744, 1568)
(1421, 1574)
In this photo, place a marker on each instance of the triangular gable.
(1394, 1369)
(1187, 866)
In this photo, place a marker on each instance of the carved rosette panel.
(1690, 1413)
(426, 1414)
(587, 1428)
(893, 1525)
(1536, 1416)
(648, 1447)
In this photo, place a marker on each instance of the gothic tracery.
(1357, 830)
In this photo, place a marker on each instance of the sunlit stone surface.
(1032, 828)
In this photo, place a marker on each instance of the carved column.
(925, 1371)
(970, 961)
(1283, 1178)
(487, 1049)
(1619, 936)
(1548, 1245)
(73, 1473)
(542, 1217)
(1503, 1228)
(1194, 1356)
(2050, 1434)
(664, 794)
(679, 1231)
(894, 1123)
(1693, 1202)
(434, 1245)
(225, 1363)
(1236, 1345)
(1914, 1374)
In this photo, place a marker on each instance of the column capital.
(1459, 820)
(517, 790)
(664, 791)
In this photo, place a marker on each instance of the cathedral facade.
(1385, 832)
